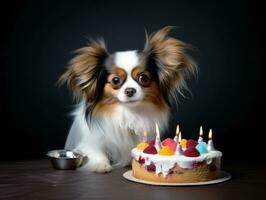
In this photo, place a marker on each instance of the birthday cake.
(176, 160)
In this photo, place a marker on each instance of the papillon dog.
(122, 94)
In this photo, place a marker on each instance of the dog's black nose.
(130, 91)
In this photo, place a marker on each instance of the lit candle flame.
(201, 131)
(210, 134)
(145, 133)
(157, 131)
(177, 130)
(179, 137)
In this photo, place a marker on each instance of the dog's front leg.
(97, 160)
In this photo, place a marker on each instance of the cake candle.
(210, 146)
(145, 138)
(200, 135)
(179, 150)
(157, 144)
(176, 134)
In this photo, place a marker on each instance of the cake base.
(201, 173)
(223, 176)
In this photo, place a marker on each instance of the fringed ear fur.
(169, 58)
(85, 75)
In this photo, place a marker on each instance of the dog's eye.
(116, 81)
(144, 79)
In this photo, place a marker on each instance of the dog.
(122, 94)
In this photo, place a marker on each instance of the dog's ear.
(86, 75)
(168, 57)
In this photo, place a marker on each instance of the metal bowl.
(65, 159)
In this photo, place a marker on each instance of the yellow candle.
(145, 136)
(145, 133)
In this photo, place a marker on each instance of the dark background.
(37, 40)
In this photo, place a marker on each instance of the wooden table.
(38, 180)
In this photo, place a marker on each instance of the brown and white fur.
(122, 94)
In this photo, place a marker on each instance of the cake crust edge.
(200, 173)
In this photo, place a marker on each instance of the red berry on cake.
(191, 152)
(141, 160)
(150, 150)
(170, 143)
(191, 143)
(151, 168)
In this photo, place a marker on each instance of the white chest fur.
(125, 127)
(114, 135)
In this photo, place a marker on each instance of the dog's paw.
(102, 167)
(99, 166)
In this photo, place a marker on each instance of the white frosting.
(164, 164)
